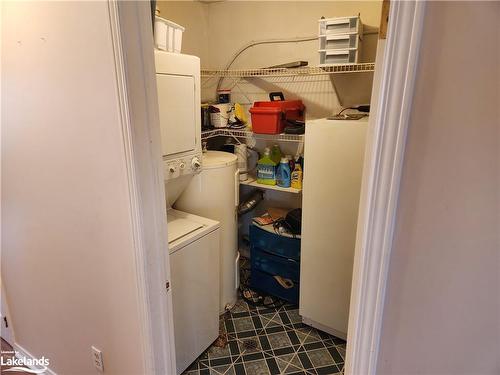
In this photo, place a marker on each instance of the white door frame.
(391, 102)
(6, 331)
(130, 23)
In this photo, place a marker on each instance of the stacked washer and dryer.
(202, 199)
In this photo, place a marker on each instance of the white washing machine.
(194, 263)
(194, 241)
(214, 193)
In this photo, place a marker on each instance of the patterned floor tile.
(289, 363)
(220, 370)
(293, 316)
(270, 340)
(271, 320)
(216, 352)
(336, 355)
(284, 361)
(257, 368)
(320, 358)
(341, 352)
(328, 370)
(279, 340)
(243, 324)
(250, 345)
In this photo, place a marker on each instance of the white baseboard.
(23, 353)
(321, 327)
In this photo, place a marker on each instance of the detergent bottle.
(266, 169)
(276, 154)
(283, 174)
(297, 176)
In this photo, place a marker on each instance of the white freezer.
(334, 152)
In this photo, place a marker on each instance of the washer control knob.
(171, 168)
(195, 164)
(182, 165)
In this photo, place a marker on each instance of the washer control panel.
(186, 165)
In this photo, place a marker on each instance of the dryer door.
(176, 99)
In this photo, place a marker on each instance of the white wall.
(194, 16)
(233, 24)
(68, 260)
(442, 304)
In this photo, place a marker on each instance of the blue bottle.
(283, 174)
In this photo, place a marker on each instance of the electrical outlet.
(97, 358)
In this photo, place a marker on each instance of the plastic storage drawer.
(339, 41)
(264, 282)
(275, 265)
(340, 25)
(335, 56)
(274, 243)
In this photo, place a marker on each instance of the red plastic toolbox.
(270, 117)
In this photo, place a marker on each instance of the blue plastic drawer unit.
(274, 255)
(274, 243)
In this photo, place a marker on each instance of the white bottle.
(241, 152)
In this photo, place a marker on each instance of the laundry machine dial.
(195, 164)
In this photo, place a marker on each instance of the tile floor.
(269, 341)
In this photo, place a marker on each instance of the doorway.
(362, 309)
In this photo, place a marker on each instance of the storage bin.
(275, 265)
(339, 41)
(340, 25)
(274, 255)
(269, 117)
(335, 56)
(168, 35)
(274, 243)
(266, 283)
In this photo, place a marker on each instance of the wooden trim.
(391, 103)
(130, 24)
(384, 19)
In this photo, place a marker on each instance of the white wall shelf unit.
(289, 72)
(249, 134)
(252, 181)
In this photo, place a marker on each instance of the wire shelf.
(249, 134)
(252, 181)
(288, 72)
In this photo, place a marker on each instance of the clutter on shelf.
(273, 168)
